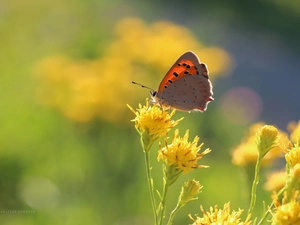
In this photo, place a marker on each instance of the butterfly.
(185, 87)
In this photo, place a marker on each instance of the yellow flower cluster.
(152, 122)
(292, 155)
(287, 212)
(220, 216)
(86, 89)
(183, 154)
(287, 208)
(264, 143)
(246, 153)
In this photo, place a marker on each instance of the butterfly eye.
(153, 93)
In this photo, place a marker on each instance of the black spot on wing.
(175, 74)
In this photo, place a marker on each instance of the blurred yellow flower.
(294, 129)
(287, 212)
(183, 154)
(246, 153)
(152, 122)
(275, 181)
(83, 90)
(220, 216)
(292, 155)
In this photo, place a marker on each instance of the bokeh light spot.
(241, 105)
(40, 193)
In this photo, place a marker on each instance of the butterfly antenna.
(143, 86)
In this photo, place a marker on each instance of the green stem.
(254, 185)
(163, 201)
(150, 185)
(172, 215)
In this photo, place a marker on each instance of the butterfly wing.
(186, 86)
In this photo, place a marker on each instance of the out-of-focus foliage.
(68, 151)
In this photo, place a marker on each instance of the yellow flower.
(152, 122)
(220, 216)
(287, 213)
(266, 139)
(246, 153)
(183, 154)
(294, 128)
(188, 192)
(275, 181)
(292, 156)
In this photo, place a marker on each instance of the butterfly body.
(186, 86)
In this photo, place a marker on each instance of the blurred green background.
(68, 151)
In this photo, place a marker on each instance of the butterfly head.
(153, 95)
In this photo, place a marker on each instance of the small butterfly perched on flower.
(185, 87)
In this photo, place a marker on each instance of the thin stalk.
(172, 215)
(150, 185)
(254, 186)
(163, 202)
